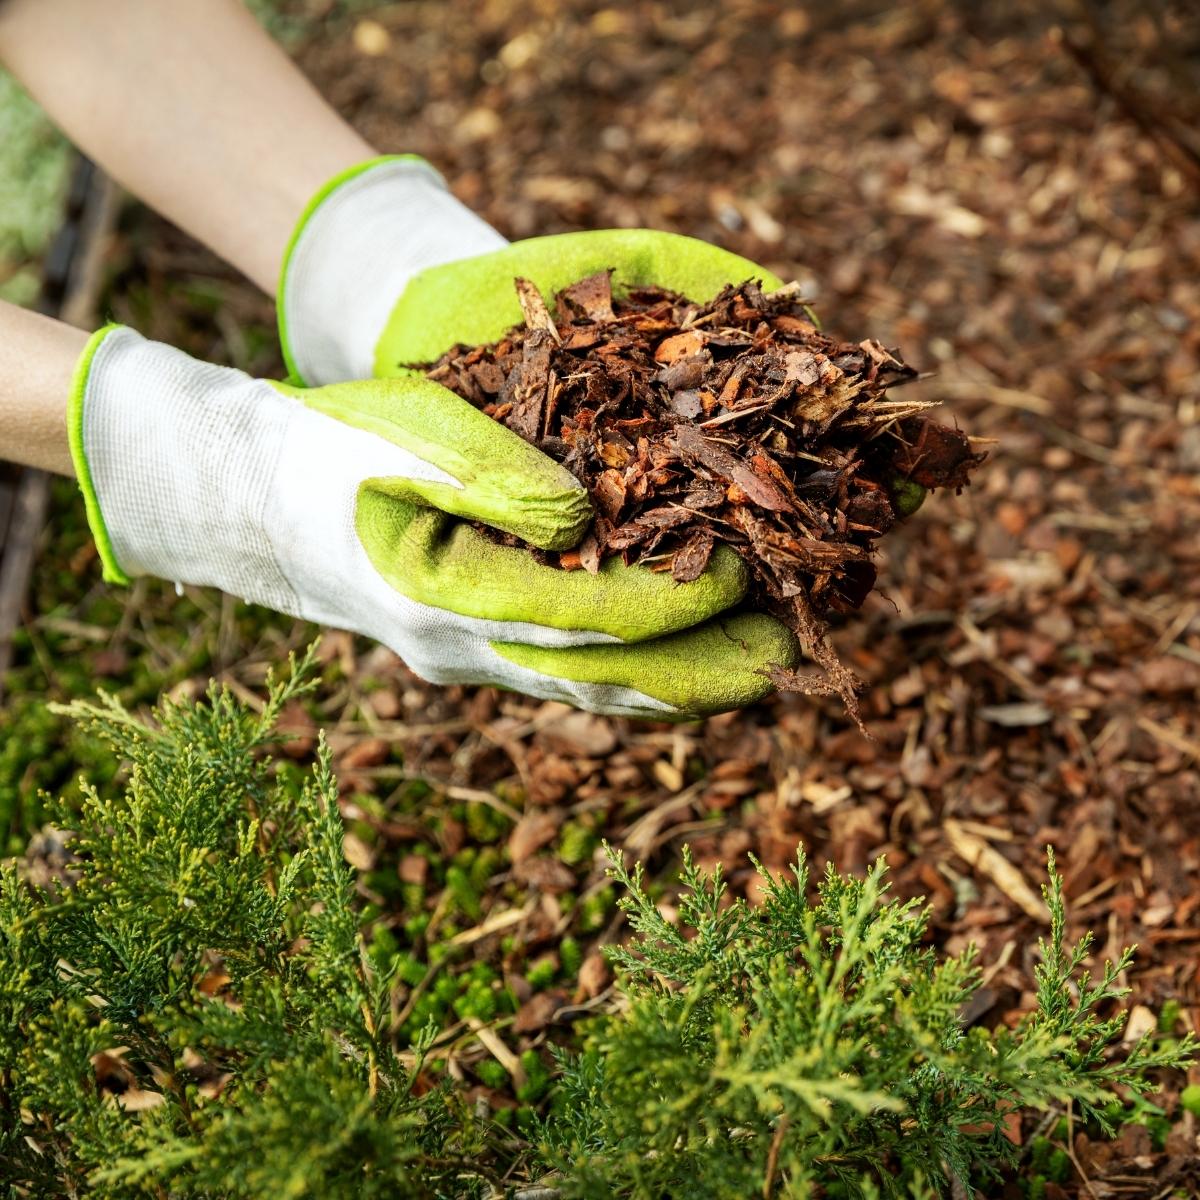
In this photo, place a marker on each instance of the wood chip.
(1023, 713)
(990, 862)
(537, 315)
(650, 400)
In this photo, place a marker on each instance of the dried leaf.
(538, 1011)
(533, 831)
(545, 875)
(594, 976)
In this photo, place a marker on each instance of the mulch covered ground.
(944, 179)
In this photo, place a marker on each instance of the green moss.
(1058, 1168)
(488, 861)
(541, 974)
(571, 956)
(1159, 1128)
(537, 1078)
(410, 969)
(491, 1073)
(485, 824)
(383, 942)
(1040, 1150)
(34, 167)
(596, 910)
(415, 926)
(577, 843)
(477, 1000)
(464, 892)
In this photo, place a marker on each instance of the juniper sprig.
(192, 1011)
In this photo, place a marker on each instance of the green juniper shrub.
(798, 1048)
(200, 1007)
(208, 944)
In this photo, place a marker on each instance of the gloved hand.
(388, 269)
(339, 504)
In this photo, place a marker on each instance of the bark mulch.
(735, 422)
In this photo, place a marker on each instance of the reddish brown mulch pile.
(948, 178)
(735, 422)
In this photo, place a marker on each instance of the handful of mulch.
(736, 421)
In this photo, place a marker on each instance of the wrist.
(361, 239)
(37, 361)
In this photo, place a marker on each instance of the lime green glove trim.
(312, 206)
(436, 560)
(701, 671)
(83, 472)
(505, 481)
(473, 301)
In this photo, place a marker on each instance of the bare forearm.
(37, 359)
(191, 107)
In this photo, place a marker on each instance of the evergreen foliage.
(191, 1011)
(796, 1049)
(207, 954)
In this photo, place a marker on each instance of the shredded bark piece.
(735, 422)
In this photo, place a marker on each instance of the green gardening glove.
(625, 640)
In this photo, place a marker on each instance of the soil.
(951, 179)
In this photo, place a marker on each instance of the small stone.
(669, 775)
(357, 853)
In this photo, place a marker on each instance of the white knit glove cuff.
(362, 238)
(180, 461)
(200, 474)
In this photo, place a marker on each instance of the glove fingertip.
(557, 522)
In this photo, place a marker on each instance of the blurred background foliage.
(35, 157)
(33, 173)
